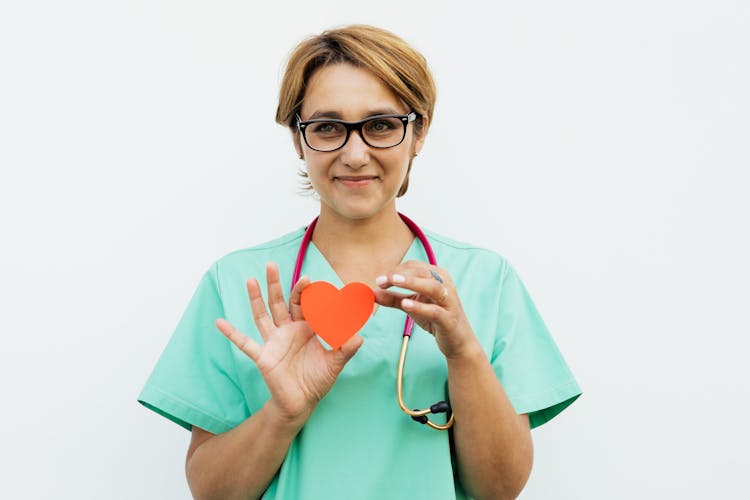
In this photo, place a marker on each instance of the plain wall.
(602, 147)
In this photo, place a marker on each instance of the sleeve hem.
(544, 406)
(180, 411)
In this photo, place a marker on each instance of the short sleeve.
(195, 382)
(525, 357)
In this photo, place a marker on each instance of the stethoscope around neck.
(418, 415)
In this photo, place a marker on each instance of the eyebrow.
(337, 116)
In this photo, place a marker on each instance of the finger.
(439, 292)
(347, 351)
(245, 344)
(260, 316)
(295, 299)
(394, 278)
(388, 298)
(423, 312)
(276, 303)
(429, 288)
(425, 270)
(403, 272)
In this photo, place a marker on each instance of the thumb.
(295, 299)
(344, 353)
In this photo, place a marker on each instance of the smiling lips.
(351, 180)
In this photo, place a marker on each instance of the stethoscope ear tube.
(419, 415)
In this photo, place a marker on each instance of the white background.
(602, 147)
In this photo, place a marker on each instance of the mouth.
(355, 177)
(355, 180)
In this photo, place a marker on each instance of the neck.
(381, 229)
(358, 248)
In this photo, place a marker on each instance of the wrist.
(283, 421)
(460, 344)
(469, 351)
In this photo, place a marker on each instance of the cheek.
(397, 157)
(400, 163)
(318, 173)
(315, 176)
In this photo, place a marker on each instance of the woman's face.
(356, 181)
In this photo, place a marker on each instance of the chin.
(358, 214)
(357, 211)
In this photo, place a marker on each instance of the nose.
(355, 153)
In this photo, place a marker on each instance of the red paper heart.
(336, 315)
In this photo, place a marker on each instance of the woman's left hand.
(434, 305)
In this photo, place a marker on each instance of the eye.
(382, 125)
(326, 128)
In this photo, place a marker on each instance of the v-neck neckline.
(325, 271)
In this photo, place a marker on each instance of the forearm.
(242, 462)
(492, 442)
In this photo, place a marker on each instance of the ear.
(297, 144)
(419, 139)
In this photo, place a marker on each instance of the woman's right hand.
(296, 367)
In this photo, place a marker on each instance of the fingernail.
(397, 278)
(407, 303)
(380, 280)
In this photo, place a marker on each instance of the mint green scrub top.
(358, 444)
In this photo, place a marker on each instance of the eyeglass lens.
(379, 132)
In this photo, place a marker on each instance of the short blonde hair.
(403, 69)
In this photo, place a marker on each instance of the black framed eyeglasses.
(380, 131)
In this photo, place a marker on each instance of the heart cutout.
(336, 315)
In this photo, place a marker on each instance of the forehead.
(348, 91)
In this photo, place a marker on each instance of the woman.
(272, 411)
